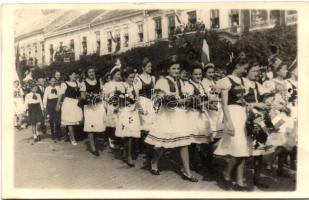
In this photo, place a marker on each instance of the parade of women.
(246, 114)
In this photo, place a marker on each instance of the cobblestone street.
(60, 165)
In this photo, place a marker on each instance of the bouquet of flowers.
(93, 98)
(257, 127)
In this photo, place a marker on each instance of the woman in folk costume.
(214, 109)
(256, 109)
(50, 100)
(94, 111)
(173, 127)
(283, 139)
(128, 124)
(293, 105)
(34, 105)
(112, 90)
(197, 112)
(234, 143)
(71, 113)
(19, 104)
(143, 86)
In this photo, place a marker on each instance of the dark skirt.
(51, 110)
(35, 113)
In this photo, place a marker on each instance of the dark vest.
(236, 93)
(250, 97)
(146, 90)
(96, 89)
(172, 86)
(72, 92)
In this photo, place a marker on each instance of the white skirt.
(111, 116)
(94, 118)
(174, 128)
(19, 106)
(238, 145)
(71, 113)
(128, 123)
(216, 122)
(149, 115)
(201, 123)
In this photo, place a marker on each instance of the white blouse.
(29, 100)
(111, 87)
(49, 95)
(137, 84)
(162, 84)
(63, 86)
(90, 82)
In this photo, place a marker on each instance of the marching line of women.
(237, 116)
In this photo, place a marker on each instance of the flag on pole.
(112, 36)
(292, 65)
(18, 69)
(205, 52)
(178, 18)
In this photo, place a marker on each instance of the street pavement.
(49, 165)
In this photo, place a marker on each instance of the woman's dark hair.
(279, 68)
(127, 71)
(195, 65)
(114, 72)
(237, 62)
(252, 63)
(105, 77)
(207, 68)
(88, 68)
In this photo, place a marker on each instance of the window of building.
(234, 18)
(109, 42)
(126, 39)
(214, 19)
(35, 48)
(98, 42)
(51, 52)
(291, 16)
(43, 52)
(72, 45)
(259, 18)
(274, 17)
(29, 50)
(141, 32)
(192, 17)
(117, 40)
(171, 25)
(60, 46)
(84, 45)
(158, 27)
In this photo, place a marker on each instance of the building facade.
(114, 31)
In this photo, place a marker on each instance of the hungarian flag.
(178, 18)
(112, 37)
(205, 52)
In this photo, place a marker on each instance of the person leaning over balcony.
(94, 111)
(234, 143)
(173, 128)
(71, 113)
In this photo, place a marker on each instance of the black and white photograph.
(199, 99)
